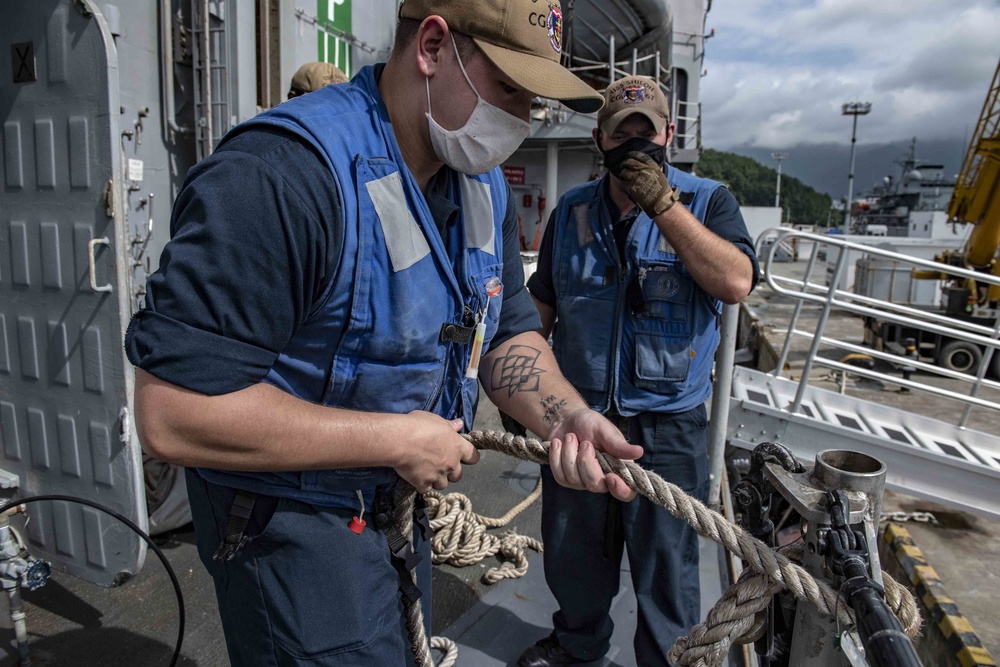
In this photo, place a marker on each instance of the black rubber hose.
(886, 645)
(138, 531)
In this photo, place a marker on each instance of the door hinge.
(124, 425)
(109, 199)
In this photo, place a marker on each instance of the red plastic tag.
(357, 525)
(493, 286)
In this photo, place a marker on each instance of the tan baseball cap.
(633, 94)
(316, 75)
(521, 37)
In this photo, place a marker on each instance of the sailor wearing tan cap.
(632, 273)
(313, 76)
(312, 337)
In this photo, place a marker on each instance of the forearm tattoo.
(517, 370)
(553, 408)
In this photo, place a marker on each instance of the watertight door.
(65, 385)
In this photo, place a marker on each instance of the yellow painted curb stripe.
(975, 656)
(957, 631)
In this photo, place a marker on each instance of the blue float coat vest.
(653, 358)
(375, 343)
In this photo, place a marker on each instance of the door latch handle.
(91, 250)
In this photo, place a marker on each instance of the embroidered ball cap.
(521, 37)
(316, 75)
(633, 94)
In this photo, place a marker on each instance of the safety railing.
(690, 135)
(616, 69)
(830, 297)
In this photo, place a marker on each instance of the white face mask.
(490, 136)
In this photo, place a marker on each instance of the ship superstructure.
(912, 203)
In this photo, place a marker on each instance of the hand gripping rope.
(769, 571)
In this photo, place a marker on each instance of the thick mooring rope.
(776, 571)
(402, 523)
(734, 616)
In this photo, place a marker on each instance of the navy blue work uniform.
(636, 336)
(304, 255)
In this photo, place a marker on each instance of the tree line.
(753, 184)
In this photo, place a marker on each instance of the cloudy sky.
(779, 70)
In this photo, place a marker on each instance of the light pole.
(853, 109)
(777, 193)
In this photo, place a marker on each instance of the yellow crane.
(976, 199)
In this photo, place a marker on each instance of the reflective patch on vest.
(403, 236)
(584, 233)
(477, 211)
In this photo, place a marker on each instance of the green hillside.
(753, 184)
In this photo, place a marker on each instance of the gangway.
(947, 462)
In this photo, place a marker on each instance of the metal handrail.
(612, 63)
(830, 297)
(906, 313)
(724, 362)
(587, 68)
(782, 233)
(888, 356)
(604, 63)
(693, 124)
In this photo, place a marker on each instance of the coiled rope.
(460, 536)
(775, 571)
(460, 539)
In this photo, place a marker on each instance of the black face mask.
(614, 157)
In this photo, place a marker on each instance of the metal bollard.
(816, 640)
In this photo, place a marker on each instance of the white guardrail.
(939, 459)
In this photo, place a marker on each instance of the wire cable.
(138, 531)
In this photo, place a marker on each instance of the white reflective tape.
(477, 211)
(584, 234)
(403, 236)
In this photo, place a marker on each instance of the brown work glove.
(645, 183)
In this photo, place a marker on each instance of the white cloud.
(780, 69)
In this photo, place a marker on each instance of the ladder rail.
(829, 297)
(925, 458)
(943, 459)
(895, 359)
